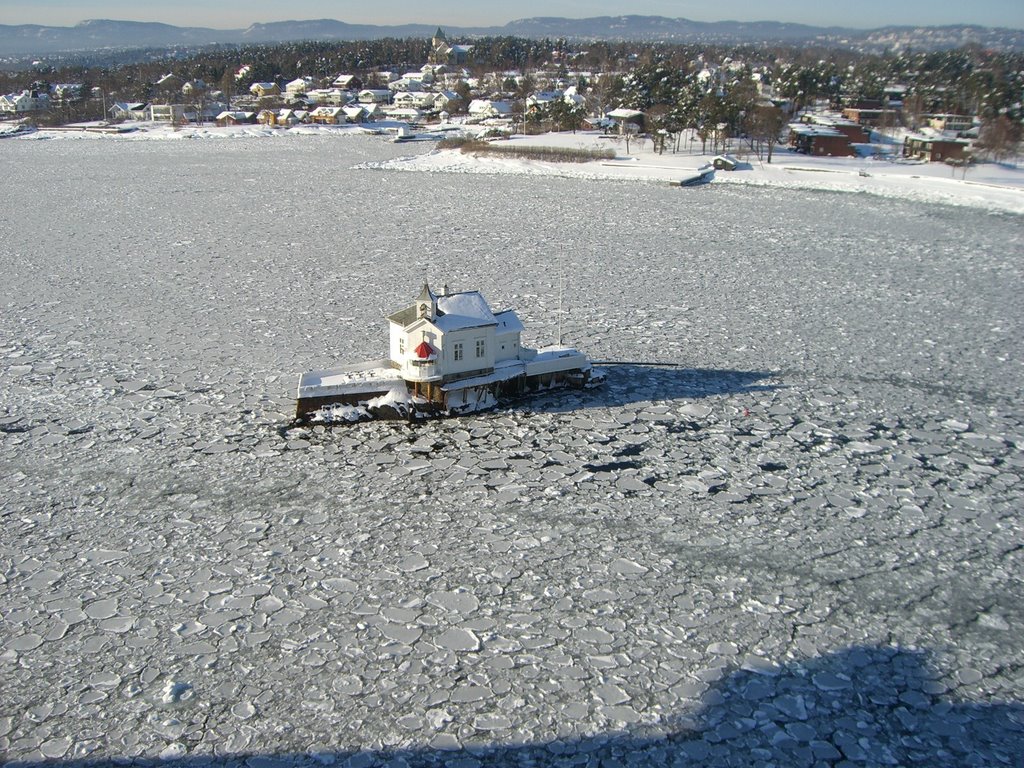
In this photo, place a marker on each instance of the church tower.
(439, 48)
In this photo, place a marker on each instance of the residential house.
(374, 96)
(355, 113)
(208, 112)
(894, 94)
(446, 101)
(484, 109)
(540, 99)
(935, 148)
(263, 90)
(169, 83)
(849, 128)
(123, 110)
(167, 113)
(236, 118)
(572, 96)
(864, 116)
(415, 99)
(329, 97)
(820, 140)
(408, 114)
(405, 84)
(24, 102)
(299, 86)
(65, 92)
(627, 120)
(193, 87)
(951, 123)
(327, 116)
(268, 117)
(347, 83)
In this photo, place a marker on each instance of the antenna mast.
(559, 297)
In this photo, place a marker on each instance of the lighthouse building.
(447, 353)
(448, 337)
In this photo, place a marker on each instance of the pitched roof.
(509, 322)
(456, 311)
(468, 309)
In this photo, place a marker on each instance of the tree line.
(701, 87)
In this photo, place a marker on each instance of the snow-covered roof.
(503, 371)
(807, 129)
(509, 322)
(487, 106)
(623, 113)
(468, 309)
(374, 374)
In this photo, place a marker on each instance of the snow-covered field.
(796, 541)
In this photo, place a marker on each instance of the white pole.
(559, 298)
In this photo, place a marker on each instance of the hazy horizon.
(233, 14)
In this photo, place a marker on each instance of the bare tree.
(764, 125)
(999, 138)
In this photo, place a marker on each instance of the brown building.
(820, 141)
(934, 150)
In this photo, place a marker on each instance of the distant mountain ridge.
(34, 39)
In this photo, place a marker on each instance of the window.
(479, 347)
(457, 351)
(401, 346)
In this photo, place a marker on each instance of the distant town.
(953, 106)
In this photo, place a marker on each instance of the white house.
(446, 100)
(415, 99)
(354, 114)
(330, 97)
(451, 336)
(122, 110)
(374, 96)
(26, 101)
(448, 353)
(484, 108)
(542, 98)
(405, 84)
(235, 118)
(572, 96)
(167, 113)
(299, 85)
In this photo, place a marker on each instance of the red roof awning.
(424, 351)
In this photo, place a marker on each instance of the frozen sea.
(787, 531)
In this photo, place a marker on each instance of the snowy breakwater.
(802, 544)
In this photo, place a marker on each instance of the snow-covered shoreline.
(987, 185)
(990, 186)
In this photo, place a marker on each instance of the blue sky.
(225, 14)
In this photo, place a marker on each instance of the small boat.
(449, 354)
